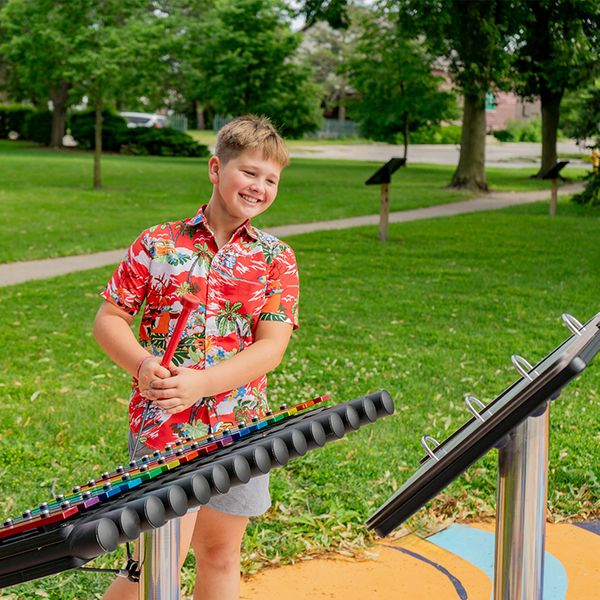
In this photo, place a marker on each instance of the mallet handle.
(189, 303)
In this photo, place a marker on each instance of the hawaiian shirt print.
(252, 278)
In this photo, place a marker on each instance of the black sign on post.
(383, 177)
(554, 173)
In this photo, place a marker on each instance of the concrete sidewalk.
(19, 272)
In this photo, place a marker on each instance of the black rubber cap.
(219, 479)
(368, 411)
(350, 417)
(278, 452)
(197, 489)
(240, 469)
(151, 512)
(89, 540)
(383, 403)
(334, 426)
(127, 521)
(174, 499)
(259, 460)
(315, 434)
(296, 443)
(129, 524)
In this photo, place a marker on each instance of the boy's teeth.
(248, 198)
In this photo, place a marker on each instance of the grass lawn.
(432, 315)
(49, 208)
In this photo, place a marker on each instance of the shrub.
(38, 127)
(161, 142)
(529, 130)
(591, 193)
(114, 130)
(12, 118)
(439, 134)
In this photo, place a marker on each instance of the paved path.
(19, 272)
(497, 154)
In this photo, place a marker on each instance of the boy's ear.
(214, 169)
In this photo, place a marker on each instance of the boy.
(247, 282)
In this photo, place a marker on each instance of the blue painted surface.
(477, 547)
(458, 586)
(593, 526)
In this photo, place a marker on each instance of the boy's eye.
(251, 173)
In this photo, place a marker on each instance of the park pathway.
(19, 272)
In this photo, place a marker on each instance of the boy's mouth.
(250, 199)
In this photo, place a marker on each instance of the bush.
(591, 193)
(440, 134)
(529, 130)
(38, 127)
(12, 118)
(114, 130)
(161, 142)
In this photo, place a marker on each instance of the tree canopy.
(397, 91)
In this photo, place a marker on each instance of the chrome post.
(159, 564)
(521, 510)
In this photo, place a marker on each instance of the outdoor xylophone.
(97, 516)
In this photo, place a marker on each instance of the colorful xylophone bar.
(101, 514)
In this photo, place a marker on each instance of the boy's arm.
(112, 330)
(179, 392)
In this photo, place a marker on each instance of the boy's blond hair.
(251, 132)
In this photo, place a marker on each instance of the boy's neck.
(222, 225)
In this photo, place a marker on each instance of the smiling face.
(243, 187)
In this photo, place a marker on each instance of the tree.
(246, 62)
(556, 51)
(579, 113)
(118, 55)
(39, 48)
(393, 76)
(328, 50)
(474, 38)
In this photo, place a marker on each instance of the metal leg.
(521, 511)
(159, 563)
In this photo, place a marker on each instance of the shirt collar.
(199, 218)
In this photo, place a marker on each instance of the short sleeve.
(282, 292)
(127, 287)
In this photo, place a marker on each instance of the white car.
(138, 119)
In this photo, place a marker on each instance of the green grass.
(432, 315)
(49, 208)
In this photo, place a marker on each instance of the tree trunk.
(98, 143)
(405, 134)
(550, 114)
(470, 172)
(200, 123)
(58, 95)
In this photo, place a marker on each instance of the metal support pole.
(521, 510)
(159, 563)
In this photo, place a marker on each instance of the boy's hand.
(178, 392)
(151, 370)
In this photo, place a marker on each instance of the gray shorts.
(251, 499)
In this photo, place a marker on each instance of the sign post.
(383, 176)
(554, 174)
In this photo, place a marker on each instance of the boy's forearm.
(258, 359)
(112, 331)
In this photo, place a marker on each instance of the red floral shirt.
(252, 278)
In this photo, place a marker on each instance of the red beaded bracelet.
(137, 371)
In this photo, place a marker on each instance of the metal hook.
(523, 366)
(573, 325)
(469, 401)
(425, 443)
